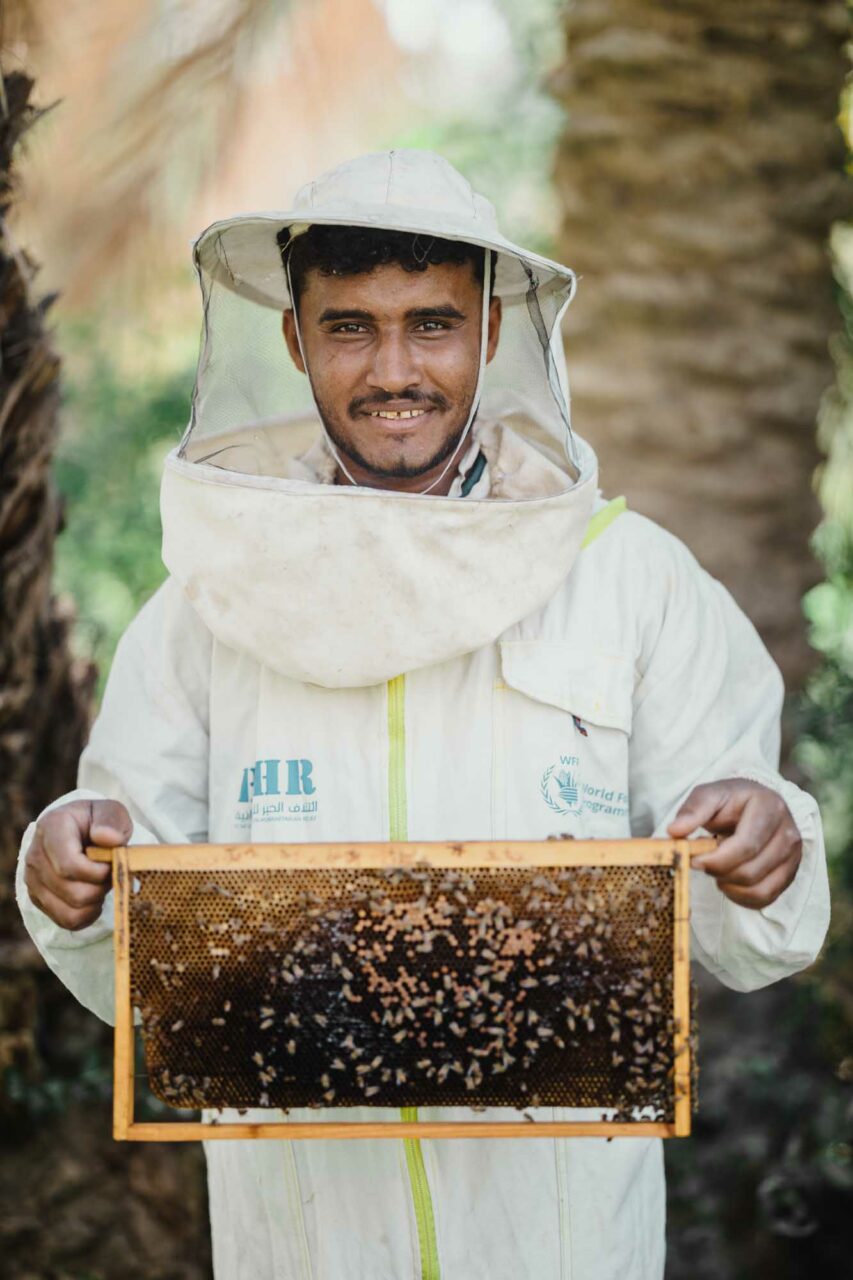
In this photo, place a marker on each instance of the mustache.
(368, 404)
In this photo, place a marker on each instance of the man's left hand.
(760, 855)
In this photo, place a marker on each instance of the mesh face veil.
(253, 412)
(253, 525)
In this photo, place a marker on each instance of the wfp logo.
(559, 786)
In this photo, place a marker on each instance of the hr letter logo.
(277, 791)
(268, 778)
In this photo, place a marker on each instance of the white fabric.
(673, 687)
(345, 587)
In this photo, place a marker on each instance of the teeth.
(398, 413)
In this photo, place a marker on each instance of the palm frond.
(152, 101)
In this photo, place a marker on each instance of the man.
(412, 614)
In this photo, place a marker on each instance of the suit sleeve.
(149, 750)
(708, 706)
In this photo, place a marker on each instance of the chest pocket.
(562, 724)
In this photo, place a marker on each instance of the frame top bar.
(470, 854)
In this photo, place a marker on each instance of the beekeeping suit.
(516, 660)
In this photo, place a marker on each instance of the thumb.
(699, 810)
(110, 823)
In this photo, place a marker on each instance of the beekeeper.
(409, 613)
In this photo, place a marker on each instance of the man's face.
(394, 357)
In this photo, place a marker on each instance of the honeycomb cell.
(508, 987)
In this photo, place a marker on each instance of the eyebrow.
(444, 311)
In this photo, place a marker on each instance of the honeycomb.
(507, 987)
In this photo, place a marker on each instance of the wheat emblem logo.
(564, 783)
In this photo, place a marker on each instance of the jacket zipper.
(398, 824)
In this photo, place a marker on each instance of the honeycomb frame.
(383, 879)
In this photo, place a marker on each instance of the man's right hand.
(61, 880)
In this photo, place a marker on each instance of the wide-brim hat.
(405, 190)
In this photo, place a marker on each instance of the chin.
(400, 455)
(400, 470)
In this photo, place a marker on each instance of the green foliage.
(825, 750)
(825, 747)
(118, 427)
(52, 1092)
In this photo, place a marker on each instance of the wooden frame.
(551, 853)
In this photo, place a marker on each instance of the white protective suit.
(327, 663)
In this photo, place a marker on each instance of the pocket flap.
(594, 686)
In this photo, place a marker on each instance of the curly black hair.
(351, 251)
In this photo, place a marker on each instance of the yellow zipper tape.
(602, 519)
(398, 825)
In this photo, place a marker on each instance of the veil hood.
(351, 586)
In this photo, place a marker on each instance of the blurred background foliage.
(824, 712)
(179, 114)
(117, 432)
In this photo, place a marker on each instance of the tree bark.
(140, 1214)
(699, 172)
(44, 693)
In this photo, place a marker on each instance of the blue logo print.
(264, 778)
(565, 793)
(277, 791)
(559, 786)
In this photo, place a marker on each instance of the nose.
(394, 366)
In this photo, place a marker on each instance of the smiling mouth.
(396, 415)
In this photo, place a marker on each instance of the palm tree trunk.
(44, 693)
(142, 1215)
(699, 173)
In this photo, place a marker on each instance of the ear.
(288, 326)
(495, 316)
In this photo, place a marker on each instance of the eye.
(433, 326)
(348, 326)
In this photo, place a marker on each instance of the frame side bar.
(681, 996)
(123, 1064)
